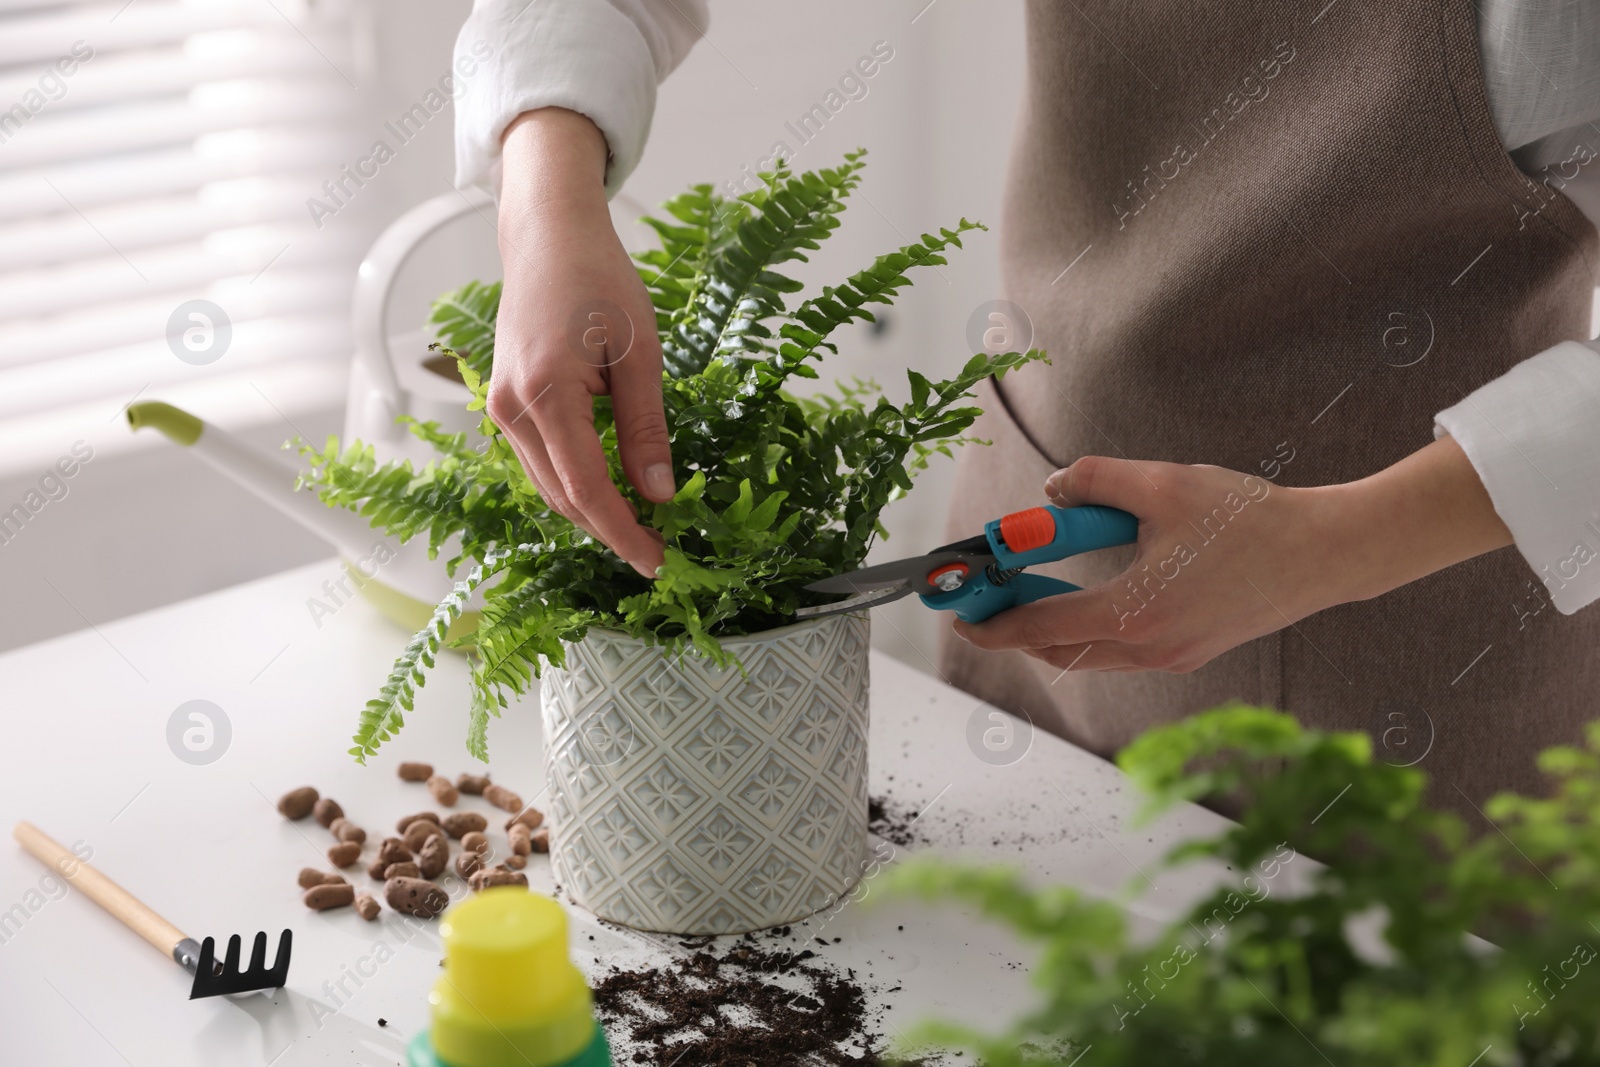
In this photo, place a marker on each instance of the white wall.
(148, 526)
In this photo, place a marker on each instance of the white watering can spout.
(267, 477)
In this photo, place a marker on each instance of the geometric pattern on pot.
(692, 800)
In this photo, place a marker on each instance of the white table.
(86, 757)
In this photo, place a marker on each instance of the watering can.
(386, 381)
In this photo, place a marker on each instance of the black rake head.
(211, 980)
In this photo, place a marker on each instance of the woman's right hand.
(575, 322)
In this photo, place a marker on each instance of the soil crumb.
(746, 1006)
(893, 823)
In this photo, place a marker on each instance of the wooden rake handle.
(123, 905)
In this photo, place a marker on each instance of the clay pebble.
(532, 818)
(444, 791)
(503, 798)
(326, 810)
(464, 822)
(310, 876)
(329, 895)
(413, 896)
(405, 824)
(296, 804)
(344, 854)
(486, 877)
(433, 856)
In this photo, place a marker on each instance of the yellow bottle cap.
(510, 995)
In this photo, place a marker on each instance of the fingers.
(530, 450)
(1071, 618)
(642, 439)
(562, 454)
(567, 428)
(1117, 483)
(1111, 656)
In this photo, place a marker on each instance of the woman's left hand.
(1225, 557)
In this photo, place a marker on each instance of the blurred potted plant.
(1257, 972)
(706, 755)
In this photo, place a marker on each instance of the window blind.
(156, 152)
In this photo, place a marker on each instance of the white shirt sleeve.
(601, 58)
(1533, 435)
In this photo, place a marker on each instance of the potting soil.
(745, 1006)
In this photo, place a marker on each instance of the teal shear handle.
(1023, 539)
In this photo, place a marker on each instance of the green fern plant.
(1258, 972)
(777, 489)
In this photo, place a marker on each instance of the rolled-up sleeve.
(1533, 435)
(601, 58)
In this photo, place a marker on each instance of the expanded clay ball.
(310, 876)
(516, 862)
(345, 830)
(413, 896)
(406, 823)
(420, 832)
(414, 772)
(540, 839)
(473, 784)
(433, 856)
(502, 798)
(532, 818)
(326, 810)
(490, 876)
(467, 863)
(444, 791)
(392, 851)
(464, 822)
(475, 841)
(367, 906)
(406, 869)
(330, 895)
(344, 854)
(296, 804)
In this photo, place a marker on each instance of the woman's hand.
(575, 322)
(1225, 557)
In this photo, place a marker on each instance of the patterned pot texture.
(687, 799)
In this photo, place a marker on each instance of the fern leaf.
(466, 322)
(815, 319)
(517, 632)
(384, 715)
(485, 702)
(733, 286)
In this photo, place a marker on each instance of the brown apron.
(1246, 232)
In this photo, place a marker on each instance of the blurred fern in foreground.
(1260, 973)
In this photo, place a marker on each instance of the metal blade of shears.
(871, 598)
(888, 582)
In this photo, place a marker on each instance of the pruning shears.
(984, 575)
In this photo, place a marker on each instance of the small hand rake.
(210, 980)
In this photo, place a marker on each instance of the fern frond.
(674, 272)
(484, 703)
(815, 319)
(466, 322)
(518, 631)
(384, 715)
(723, 316)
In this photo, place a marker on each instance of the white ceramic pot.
(692, 800)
